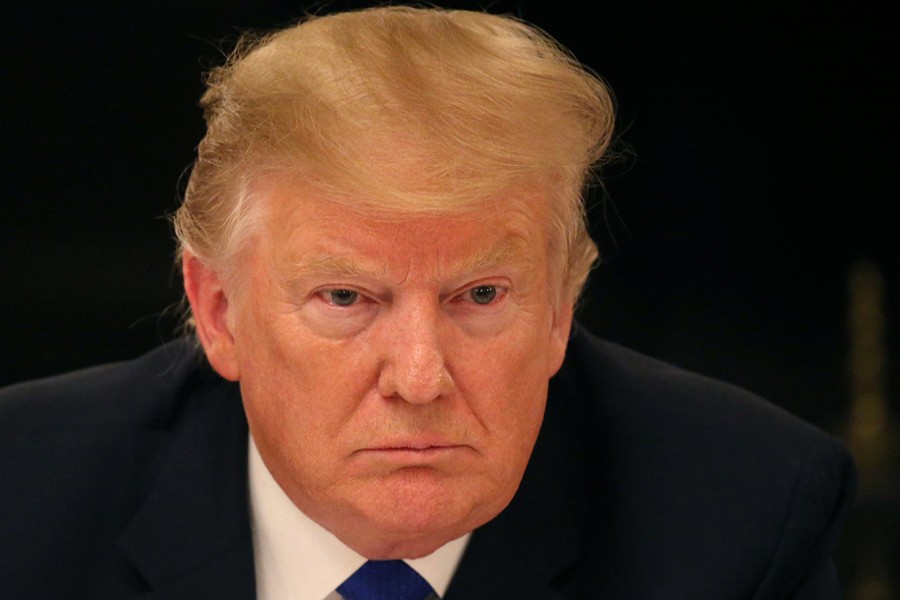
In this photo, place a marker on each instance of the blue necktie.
(385, 580)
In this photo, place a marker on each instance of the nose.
(414, 366)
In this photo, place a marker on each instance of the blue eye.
(343, 297)
(483, 294)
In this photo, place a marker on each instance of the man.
(382, 242)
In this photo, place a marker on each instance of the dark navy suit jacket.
(647, 482)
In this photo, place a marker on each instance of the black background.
(757, 140)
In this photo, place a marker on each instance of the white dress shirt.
(298, 559)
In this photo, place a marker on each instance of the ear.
(559, 334)
(210, 308)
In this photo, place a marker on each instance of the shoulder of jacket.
(134, 393)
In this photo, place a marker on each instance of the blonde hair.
(399, 109)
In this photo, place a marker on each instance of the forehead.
(309, 228)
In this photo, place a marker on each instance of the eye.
(341, 297)
(483, 294)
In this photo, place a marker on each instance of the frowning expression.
(394, 371)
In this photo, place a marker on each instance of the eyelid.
(324, 292)
(463, 295)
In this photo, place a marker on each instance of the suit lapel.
(191, 537)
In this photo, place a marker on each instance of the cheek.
(306, 391)
(299, 393)
(298, 419)
(506, 389)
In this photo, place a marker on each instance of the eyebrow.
(511, 248)
(323, 264)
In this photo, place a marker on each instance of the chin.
(408, 519)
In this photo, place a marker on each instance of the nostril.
(416, 381)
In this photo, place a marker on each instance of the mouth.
(412, 448)
(411, 453)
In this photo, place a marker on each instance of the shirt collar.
(298, 559)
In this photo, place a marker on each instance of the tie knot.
(385, 580)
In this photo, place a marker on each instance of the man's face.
(394, 372)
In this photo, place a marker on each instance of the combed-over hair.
(399, 109)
